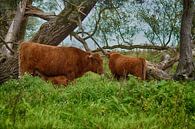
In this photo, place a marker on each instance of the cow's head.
(96, 63)
(110, 54)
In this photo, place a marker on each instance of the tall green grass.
(97, 102)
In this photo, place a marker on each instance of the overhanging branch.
(36, 12)
(91, 37)
(81, 40)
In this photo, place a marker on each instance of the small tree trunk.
(6, 15)
(14, 28)
(185, 69)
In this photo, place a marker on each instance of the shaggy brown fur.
(69, 62)
(121, 65)
(58, 80)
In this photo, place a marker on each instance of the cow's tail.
(143, 68)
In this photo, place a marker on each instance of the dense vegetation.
(97, 102)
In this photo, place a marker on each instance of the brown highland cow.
(51, 61)
(121, 65)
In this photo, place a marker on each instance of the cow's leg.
(138, 74)
(71, 76)
(117, 76)
(25, 69)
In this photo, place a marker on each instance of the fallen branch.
(153, 72)
(168, 61)
(157, 71)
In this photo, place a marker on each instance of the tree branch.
(96, 24)
(36, 12)
(91, 37)
(81, 40)
(134, 46)
(5, 43)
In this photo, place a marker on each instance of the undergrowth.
(97, 102)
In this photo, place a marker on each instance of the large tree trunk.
(52, 32)
(56, 30)
(185, 69)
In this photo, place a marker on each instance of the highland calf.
(121, 66)
(58, 80)
(52, 61)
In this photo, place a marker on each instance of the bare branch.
(81, 40)
(135, 46)
(79, 8)
(100, 48)
(96, 24)
(5, 43)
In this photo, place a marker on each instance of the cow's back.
(49, 60)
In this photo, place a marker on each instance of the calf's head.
(111, 54)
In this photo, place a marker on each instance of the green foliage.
(97, 102)
(163, 19)
(118, 22)
(113, 21)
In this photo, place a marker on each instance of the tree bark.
(6, 15)
(56, 30)
(14, 29)
(154, 72)
(185, 69)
